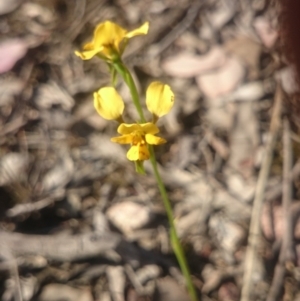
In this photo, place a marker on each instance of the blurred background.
(61, 179)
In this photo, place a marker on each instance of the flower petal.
(159, 99)
(125, 128)
(142, 30)
(109, 40)
(108, 34)
(154, 140)
(149, 128)
(108, 103)
(138, 152)
(125, 139)
(87, 55)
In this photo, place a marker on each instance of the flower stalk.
(108, 43)
(175, 242)
(176, 245)
(127, 77)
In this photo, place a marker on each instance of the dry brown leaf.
(272, 223)
(52, 94)
(244, 139)
(267, 34)
(8, 6)
(169, 290)
(228, 292)
(55, 291)
(241, 46)
(228, 234)
(10, 52)
(12, 167)
(9, 88)
(222, 81)
(287, 77)
(128, 216)
(189, 65)
(116, 282)
(60, 174)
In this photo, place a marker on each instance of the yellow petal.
(159, 99)
(108, 34)
(138, 152)
(87, 55)
(139, 31)
(143, 152)
(108, 103)
(154, 140)
(125, 139)
(149, 128)
(125, 128)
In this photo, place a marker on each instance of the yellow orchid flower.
(109, 104)
(159, 100)
(109, 41)
(139, 136)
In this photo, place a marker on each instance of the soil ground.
(82, 224)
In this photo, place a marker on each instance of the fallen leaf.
(224, 12)
(10, 52)
(52, 94)
(228, 234)
(287, 77)
(267, 34)
(272, 223)
(8, 6)
(222, 81)
(244, 140)
(10, 87)
(60, 174)
(228, 292)
(50, 292)
(190, 65)
(241, 46)
(128, 216)
(169, 290)
(12, 167)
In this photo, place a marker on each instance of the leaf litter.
(61, 179)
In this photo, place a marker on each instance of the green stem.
(124, 72)
(176, 245)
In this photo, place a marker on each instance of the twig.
(275, 190)
(254, 231)
(287, 191)
(57, 247)
(15, 274)
(29, 207)
(10, 263)
(286, 246)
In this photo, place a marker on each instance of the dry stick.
(15, 274)
(58, 248)
(287, 243)
(12, 267)
(275, 191)
(254, 231)
(286, 246)
(29, 207)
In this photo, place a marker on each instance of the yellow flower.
(109, 41)
(159, 100)
(138, 135)
(109, 104)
